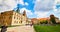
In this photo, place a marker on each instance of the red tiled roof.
(43, 19)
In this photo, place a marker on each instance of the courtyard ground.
(21, 29)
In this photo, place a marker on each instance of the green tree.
(52, 18)
(46, 21)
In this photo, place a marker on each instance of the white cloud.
(57, 10)
(6, 5)
(28, 12)
(20, 2)
(41, 14)
(57, 2)
(42, 7)
(26, 3)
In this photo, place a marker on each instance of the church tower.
(25, 16)
(24, 13)
(18, 10)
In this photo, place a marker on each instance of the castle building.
(57, 20)
(12, 18)
(34, 21)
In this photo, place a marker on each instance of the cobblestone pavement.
(21, 29)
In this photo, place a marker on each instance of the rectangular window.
(14, 17)
(15, 21)
(21, 21)
(17, 17)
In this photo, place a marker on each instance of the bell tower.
(24, 13)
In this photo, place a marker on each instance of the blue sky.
(33, 8)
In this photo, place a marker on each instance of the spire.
(18, 10)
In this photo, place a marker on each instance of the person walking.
(4, 27)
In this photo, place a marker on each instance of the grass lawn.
(47, 28)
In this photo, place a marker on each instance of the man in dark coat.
(3, 28)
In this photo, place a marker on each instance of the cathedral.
(13, 17)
